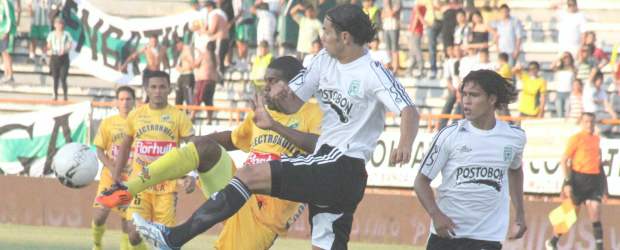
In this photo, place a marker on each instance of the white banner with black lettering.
(102, 42)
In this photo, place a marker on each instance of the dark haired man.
(110, 134)
(354, 94)
(584, 179)
(479, 159)
(152, 130)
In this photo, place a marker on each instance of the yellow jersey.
(265, 145)
(156, 132)
(531, 91)
(110, 135)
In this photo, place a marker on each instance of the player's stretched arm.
(409, 124)
(122, 158)
(223, 138)
(262, 119)
(305, 141)
(515, 179)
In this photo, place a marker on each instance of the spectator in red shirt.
(416, 28)
(601, 57)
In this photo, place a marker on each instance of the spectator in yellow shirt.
(533, 90)
(503, 68)
(260, 63)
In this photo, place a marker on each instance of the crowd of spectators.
(245, 35)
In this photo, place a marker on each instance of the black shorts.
(438, 243)
(331, 183)
(586, 187)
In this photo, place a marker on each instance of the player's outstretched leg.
(221, 205)
(209, 158)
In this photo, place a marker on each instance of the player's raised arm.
(262, 119)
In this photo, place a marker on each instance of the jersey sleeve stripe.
(434, 143)
(394, 83)
(397, 85)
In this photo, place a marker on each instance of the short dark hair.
(352, 19)
(158, 74)
(288, 65)
(210, 4)
(492, 84)
(535, 64)
(503, 56)
(504, 6)
(263, 44)
(126, 89)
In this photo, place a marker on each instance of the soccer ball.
(75, 165)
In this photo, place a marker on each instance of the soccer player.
(108, 140)
(584, 181)
(354, 94)
(153, 130)
(479, 158)
(287, 127)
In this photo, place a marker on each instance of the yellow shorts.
(106, 181)
(160, 208)
(243, 231)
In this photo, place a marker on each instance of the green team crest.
(355, 88)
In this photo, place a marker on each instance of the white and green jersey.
(7, 17)
(354, 98)
(474, 165)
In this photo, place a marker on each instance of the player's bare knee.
(208, 152)
(256, 178)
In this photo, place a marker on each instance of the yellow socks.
(97, 235)
(173, 165)
(218, 176)
(180, 161)
(125, 245)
